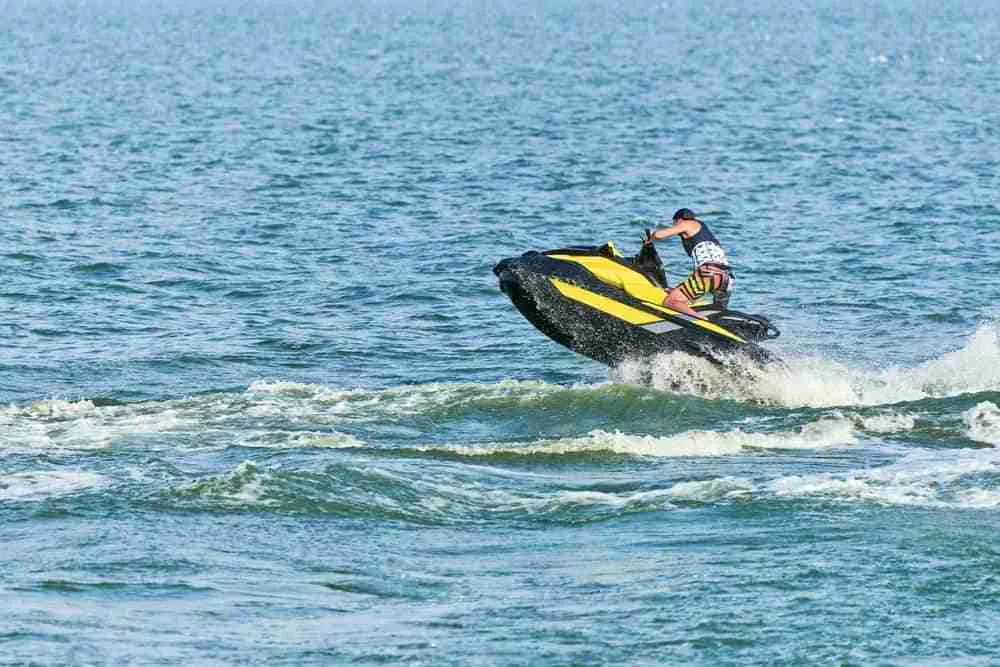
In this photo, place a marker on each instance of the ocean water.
(261, 400)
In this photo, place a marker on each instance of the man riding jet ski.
(711, 265)
(611, 308)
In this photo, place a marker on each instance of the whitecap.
(984, 423)
(40, 485)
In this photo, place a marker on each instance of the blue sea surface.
(261, 400)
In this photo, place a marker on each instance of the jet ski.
(610, 308)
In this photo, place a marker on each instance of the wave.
(821, 434)
(970, 482)
(968, 479)
(443, 492)
(820, 383)
(435, 399)
(215, 421)
(446, 495)
(81, 425)
(530, 420)
(286, 414)
(41, 485)
(681, 411)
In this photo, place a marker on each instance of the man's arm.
(689, 227)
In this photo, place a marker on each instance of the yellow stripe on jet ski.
(617, 275)
(697, 321)
(604, 304)
(635, 284)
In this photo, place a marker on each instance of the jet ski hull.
(560, 293)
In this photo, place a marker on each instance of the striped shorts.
(706, 278)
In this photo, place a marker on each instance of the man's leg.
(676, 300)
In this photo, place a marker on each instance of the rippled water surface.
(263, 402)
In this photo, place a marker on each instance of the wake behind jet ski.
(607, 307)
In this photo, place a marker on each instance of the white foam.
(332, 440)
(367, 405)
(933, 478)
(299, 440)
(852, 488)
(820, 434)
(249, 486)
(943, 479)
(692, 443)
(953, 479)
(40, 485)
(283, 387)
(979, 498)
(802, 382)
(244, 486)
(891, 422)
(984, 423)
(202, 422)
(817, 382)
(59, 409)
(574, 501)
(81, 425)
(711, 489)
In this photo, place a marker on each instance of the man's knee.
(675, 297)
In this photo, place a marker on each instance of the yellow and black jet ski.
(610, 308)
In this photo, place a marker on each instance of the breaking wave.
(533, 451)
(819, 383)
